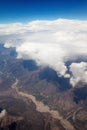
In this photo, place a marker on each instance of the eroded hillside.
(45, 87)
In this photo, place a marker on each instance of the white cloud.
(79, 72)
(49, 43)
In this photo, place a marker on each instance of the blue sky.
(28, 10)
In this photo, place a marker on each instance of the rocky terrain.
(35, 98)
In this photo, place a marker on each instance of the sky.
(28, 10)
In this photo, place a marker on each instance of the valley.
(36, 98)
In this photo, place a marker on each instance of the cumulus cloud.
(79, 72)
(49, 43)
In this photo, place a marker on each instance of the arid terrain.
(35, 98)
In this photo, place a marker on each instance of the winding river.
(41, 107)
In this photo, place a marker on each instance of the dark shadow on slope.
(1, 110)
(30, 65)
(12, 126)
(51, 76)
(80, 94)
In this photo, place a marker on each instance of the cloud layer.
(50, 43)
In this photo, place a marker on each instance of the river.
(41, 107)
